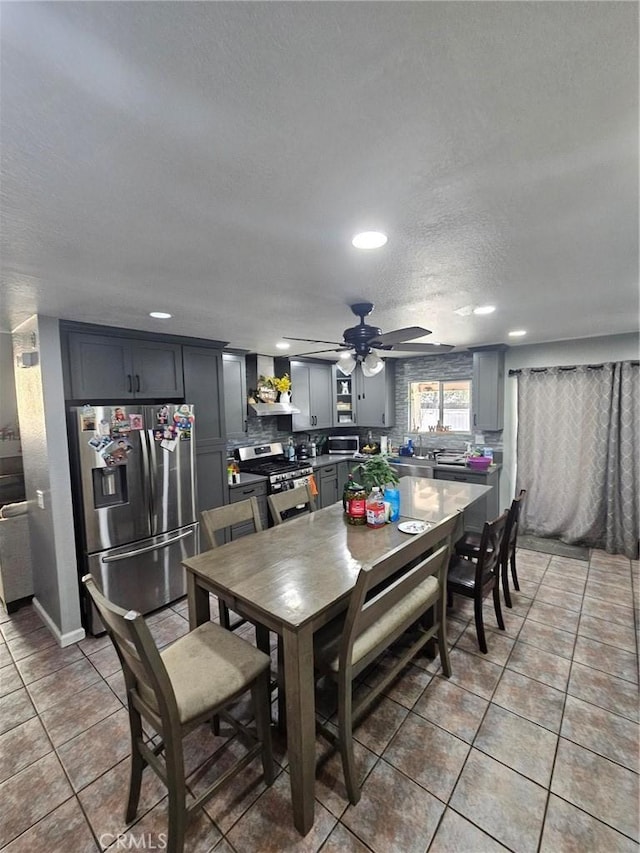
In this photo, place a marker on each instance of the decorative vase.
(285, 396)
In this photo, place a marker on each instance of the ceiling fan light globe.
(347, 364)
(372, 365)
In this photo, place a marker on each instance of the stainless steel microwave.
(343, 444)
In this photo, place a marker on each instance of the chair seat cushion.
(327, 640)
(208, 666)
(462, 573)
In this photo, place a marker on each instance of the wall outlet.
(40, 498)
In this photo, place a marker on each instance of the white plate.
(413, 526)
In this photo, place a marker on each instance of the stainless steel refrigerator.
(135, 501)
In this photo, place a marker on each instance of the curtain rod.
(567, 368)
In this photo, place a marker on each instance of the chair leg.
(177, 794)
(261, 694)
(496, 605)
(477, 608)
(223, 610)
(262, 639)
(443, 646)
(514, 574)
(282, 705)
(505, 584)
(137, 765)
(345, 733)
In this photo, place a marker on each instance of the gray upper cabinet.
(488, 389)
(102, 367)
(375, 397)
(234, 370)
(312, 393)
(203, 387)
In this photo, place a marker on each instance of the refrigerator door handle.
(144, 550)
(146, 445)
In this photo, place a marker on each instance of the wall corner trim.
(66, 639)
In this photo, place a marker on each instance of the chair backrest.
(511, 533)
(215, 521)
(490, 552)
(146, 678)
(282, 502)
(387, 597)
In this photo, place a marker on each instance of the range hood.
(264, 365)
(264, 409)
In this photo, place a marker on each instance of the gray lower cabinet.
(328, 485)
(243, 493)
(234, 369)
(105, 367)
(488, 507)
(211, 474)
(312, 393)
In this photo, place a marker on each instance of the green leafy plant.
(375, 471)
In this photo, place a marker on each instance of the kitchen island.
(296, 577)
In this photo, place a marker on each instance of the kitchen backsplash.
(450, 366)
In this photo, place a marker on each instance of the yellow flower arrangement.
(282, 383)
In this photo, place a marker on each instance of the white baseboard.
(66, 639)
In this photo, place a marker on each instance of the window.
(440, 405)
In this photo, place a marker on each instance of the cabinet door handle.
(383, 419)
(246, 425)
(129, 384)
(474, 420)
(137, 382)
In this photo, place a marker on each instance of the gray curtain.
(578, 454)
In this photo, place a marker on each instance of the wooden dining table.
(295, 577)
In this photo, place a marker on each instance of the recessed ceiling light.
(464, 311)
(517, 333)
(282, 345)
(369, 240)
(160, 315)
(484, 309)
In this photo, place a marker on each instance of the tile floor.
(533, 747)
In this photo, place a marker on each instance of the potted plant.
(375, 471)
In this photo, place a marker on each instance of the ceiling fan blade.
(400, 335)
(313, 341)
(318, 351)
(423, 348)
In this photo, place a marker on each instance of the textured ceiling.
(214, 159)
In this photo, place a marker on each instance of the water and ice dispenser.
(109, 486)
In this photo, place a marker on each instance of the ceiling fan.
(364, 339)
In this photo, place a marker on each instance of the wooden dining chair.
(174, 690)
(477, 578)
(282, 503)
(469, 546)
(214, 523)
(389, 597)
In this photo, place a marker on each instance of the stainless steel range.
(268, 460)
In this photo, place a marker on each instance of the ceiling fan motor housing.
(359, 337)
